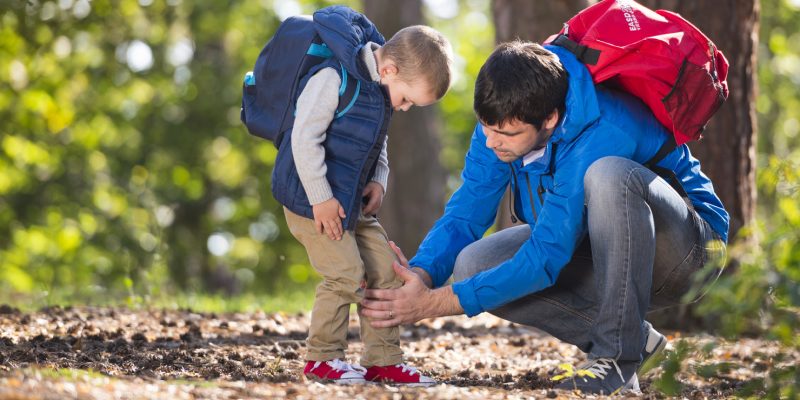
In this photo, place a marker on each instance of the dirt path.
(105, 353)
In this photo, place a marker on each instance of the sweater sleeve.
(382, 170)
(316, 107)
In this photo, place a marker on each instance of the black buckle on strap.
(586, 54)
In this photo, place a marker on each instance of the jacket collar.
(582, 109)
(345, 32)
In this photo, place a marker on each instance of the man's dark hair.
(520, 80)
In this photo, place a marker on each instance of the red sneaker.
(399, 374)
(334, 371)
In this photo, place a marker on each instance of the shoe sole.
(317, 379)
(409, 384)
(662, 344)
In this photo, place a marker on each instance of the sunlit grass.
(288, 302)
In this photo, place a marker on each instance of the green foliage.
(761, 298)
(122, 160)
(672, 364)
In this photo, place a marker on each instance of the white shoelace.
(339, 365)
(411, 370)
(601, 366)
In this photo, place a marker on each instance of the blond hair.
(421, 51)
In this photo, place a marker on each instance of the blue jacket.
(354, 140)
(597, 123)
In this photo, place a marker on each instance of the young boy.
(336, 172)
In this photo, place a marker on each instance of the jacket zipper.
(530, 194)
(511, 195)
(540, 191)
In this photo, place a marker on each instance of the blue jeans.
(646, 249)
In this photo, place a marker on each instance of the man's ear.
(552, 120)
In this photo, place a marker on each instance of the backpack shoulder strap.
(662, 152)
(585, 54)
(666, 173)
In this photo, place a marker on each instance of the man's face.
(515, 138)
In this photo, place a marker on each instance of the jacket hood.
(346, 31)
(582, 109)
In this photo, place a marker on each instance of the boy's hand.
(373, 192)
(328, 218)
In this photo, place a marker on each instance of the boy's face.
(404, 94)
(515, 139)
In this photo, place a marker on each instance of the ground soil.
(115, 353)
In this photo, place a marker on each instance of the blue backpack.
(270, 91)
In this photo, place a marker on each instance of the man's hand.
(409, 303)
(373, 192)
(426, 278)
(328, 218)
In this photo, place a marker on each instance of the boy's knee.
(348, 289)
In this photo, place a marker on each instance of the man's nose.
(491, 140)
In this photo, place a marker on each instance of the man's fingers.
(385, 323)
(319, 226)
(403, 273)
(376, 305)
(399, 253)
(381, 294)
(341, 213)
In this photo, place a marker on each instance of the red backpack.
(657, 56)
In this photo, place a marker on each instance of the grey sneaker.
(610, 378)
(655, 344)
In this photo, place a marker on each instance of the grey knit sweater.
(316, 107)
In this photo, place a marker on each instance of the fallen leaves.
(104, 353)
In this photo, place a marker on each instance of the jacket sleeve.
(315, 109)
(469, 212)
(554, 236)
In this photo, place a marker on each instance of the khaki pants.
(362, 253)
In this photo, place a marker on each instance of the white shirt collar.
(532, 156)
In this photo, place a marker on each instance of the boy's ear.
(389, 69)
(551, 121)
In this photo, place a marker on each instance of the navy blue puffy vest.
(354, 139)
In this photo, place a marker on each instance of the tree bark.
(416, 193)
(534, 21)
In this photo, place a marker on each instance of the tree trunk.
(416, 193)
(728, 154)
(534, 21)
